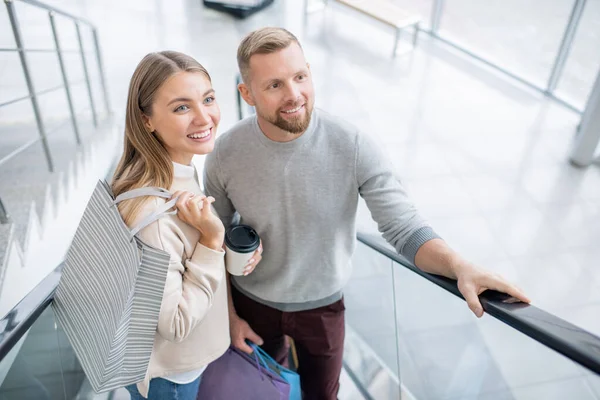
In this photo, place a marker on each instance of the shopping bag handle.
(144, 191)
(157, 214)
(160, 212)
(262, 356)
(260, 373)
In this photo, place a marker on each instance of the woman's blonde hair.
(145, 161)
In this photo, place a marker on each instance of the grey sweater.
(302, 197)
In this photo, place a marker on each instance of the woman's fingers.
(177, 195)
(184, 212)
(183, 199)
(207, 201)
(195, 209)
(253, 262)
(198, 202)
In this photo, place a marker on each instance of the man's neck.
(275, 133)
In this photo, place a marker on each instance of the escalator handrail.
(18, 320)
(567, 339)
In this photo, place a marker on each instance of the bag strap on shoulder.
(160, 212)
(145, 191)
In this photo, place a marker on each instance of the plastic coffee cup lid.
(242, 238)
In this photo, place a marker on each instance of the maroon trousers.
(318, 336)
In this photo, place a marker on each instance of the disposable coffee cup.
(241, 242)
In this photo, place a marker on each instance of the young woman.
(172, 114)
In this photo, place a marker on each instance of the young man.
(295, 173)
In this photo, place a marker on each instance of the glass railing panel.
(74, 378)
(32, 369)
(443, 351)
(448, 354)
(522, 37)
(42, 365)
(370, 351)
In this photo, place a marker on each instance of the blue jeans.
(163, 389)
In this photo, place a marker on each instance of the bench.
(386, 12)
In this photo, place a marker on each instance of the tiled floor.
(484, 159)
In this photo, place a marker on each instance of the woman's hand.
(195, 210)
(254, 260)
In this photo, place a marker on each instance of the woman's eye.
(182, 107)
(209, 100)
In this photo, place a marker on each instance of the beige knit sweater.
(193, 325)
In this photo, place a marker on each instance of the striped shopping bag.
(110, 291)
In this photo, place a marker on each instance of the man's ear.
(246, 95)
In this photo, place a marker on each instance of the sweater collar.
(183, 171)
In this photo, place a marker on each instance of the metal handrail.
(32, 142)
(549, 90)
(553, 332)
(557, 68)
(14, 50)
(569, 340)
(502, 69)
(41, 92)
(66, 85)
(32, 94)
(55, 10)
(565, 45)
(4, 217)
(17, 322)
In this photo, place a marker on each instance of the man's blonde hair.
(262, 41)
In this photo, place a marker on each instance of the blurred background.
(488, 110)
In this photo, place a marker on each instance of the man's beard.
(295, 125)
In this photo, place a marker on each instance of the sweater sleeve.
(191, 283)
(215, 187)
(396, 216)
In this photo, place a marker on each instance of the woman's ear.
(147, 123)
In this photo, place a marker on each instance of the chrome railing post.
(64, 77)
(101, 71)
(565, 45)
(587, 141)
(4, 217)
(34, 103)
(87, 74)
(436, 15)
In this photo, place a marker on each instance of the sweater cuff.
(416, 240)
(205, 255)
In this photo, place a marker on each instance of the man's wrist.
(459, 265)
(454, 263)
